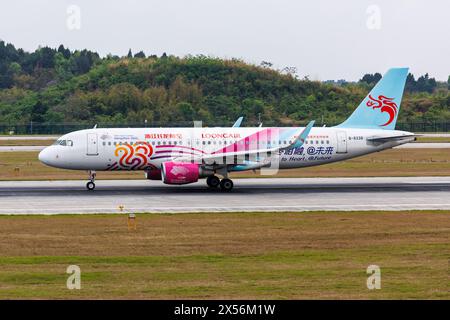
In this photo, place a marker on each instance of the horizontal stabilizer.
(392, 138)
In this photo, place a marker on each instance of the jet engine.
(153, 174)
(182, 172)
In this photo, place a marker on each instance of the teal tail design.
(380, 108)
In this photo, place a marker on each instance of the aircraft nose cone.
(44, 156)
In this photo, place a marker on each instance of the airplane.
(184, 155)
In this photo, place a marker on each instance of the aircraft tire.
(90, 185)
(213, 181)
(226, 184)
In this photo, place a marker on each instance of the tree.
(38, 112)
(65, 52)
(124, 97)
(410, 83)
(46, 58)
(186, 111)
(140, 54)
(15, 68)
(130, 54)
(371, 78)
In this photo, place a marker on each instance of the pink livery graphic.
(386, 104)
(180, 172)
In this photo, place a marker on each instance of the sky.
(322, 39)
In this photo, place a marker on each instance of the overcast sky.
(324, 39)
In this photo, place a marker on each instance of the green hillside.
(59, 85)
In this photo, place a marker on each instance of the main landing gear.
(225, 184)
(91, 184)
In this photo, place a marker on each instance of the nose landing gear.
(91, 184)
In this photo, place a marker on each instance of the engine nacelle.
(180, 172)
(154, 174)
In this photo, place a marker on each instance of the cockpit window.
(64, 143)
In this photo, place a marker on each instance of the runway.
(261, 194)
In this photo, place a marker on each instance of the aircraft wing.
(256, 153)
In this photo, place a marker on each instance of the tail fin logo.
(386, 104)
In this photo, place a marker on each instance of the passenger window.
(104, 143)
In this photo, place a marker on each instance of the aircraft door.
(92, 144)
(341, 142)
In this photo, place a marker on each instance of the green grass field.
(433, 139)
(394, 162)
(227, 255)
(26, 142)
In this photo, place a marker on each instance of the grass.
(394, 162)
(433, 139)
(227, 255)
(26, 142)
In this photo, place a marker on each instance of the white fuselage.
(104, 149)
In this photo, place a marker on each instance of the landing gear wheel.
(90, 185)
(212, 181)
(226, 184)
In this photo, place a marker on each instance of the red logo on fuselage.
(386, 104)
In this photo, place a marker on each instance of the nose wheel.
(91, 184)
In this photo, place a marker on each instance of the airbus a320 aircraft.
(183, 155)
